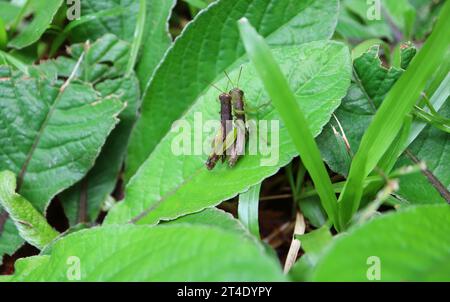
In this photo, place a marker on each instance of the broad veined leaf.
(83, 202)
(370, 85)
(50, 132)
(163, 253)
(319, 74)
(106, 58)
(31, 224)
(201, 54)
(43, 13)
(410, 245)
(105, 66)
(432, 146)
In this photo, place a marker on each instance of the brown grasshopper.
(233, 135)
(225, 137)
(238, 103)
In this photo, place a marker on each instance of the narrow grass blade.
(248, 209)
(138, 35)
(389, 118)
(284, 101)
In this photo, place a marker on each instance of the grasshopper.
(233, 135)
(226, 135)
(238, 103)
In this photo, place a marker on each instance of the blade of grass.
(138, 34)
(389, 119)
(284, 101)
(248, 209)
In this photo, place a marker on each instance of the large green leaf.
(50, 136)
(319, 74)
(50, 133)
(95, 188)
(211, 44)
(163, 253)
(104, 68)
(106, 58)
(43, 13)
(410, 245)
(370, 85)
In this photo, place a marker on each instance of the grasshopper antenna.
(218, 88)
(239, 77)
(229, 79)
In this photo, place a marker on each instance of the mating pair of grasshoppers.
(232, 135)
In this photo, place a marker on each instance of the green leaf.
(314, 244)
(411, 245)
(50, 132)
(212, 217)
(31, 224)
(105, 64)
(354, 25)
(320, 74)
(106, 58)
(313, 211)
(43, 13)
(432, 146)
(169, 253)
(10, 239)
(402, 14)
(390, 116)
(8, 12)
(293, 117)
(200, 55)
(83, 201)
(156, 39)
(248, 209)
(138, 35)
